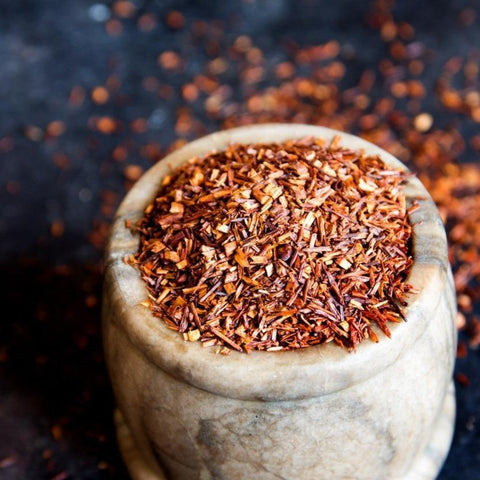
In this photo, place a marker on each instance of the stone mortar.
(184, 413)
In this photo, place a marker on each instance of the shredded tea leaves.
(278, 246)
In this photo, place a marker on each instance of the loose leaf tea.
(278, 246)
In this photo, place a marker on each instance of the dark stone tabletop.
(92, 93)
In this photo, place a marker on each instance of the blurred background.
(92, 93)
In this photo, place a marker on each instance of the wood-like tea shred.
(278, 246)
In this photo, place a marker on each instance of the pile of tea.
(278, 246)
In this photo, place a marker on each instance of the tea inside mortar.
(278, 246)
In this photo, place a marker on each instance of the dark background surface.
(60, 182)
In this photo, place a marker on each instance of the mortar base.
(425, 467)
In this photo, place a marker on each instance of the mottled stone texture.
(319, 413)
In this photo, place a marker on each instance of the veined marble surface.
(425, 467)
(313, 413)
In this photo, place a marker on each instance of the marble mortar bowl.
(383, 412)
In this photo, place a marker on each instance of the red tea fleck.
(8, 462)
(106, 125)
(100, 95)
(57, 228)
(114, 27)
(175, 20)
(77, 96)
(133, 172)
(55, 128)
(124, 8)
(462, 379)
(147, 22)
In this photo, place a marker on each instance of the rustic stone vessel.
(384, 412)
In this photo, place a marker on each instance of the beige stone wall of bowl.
(384, 412)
